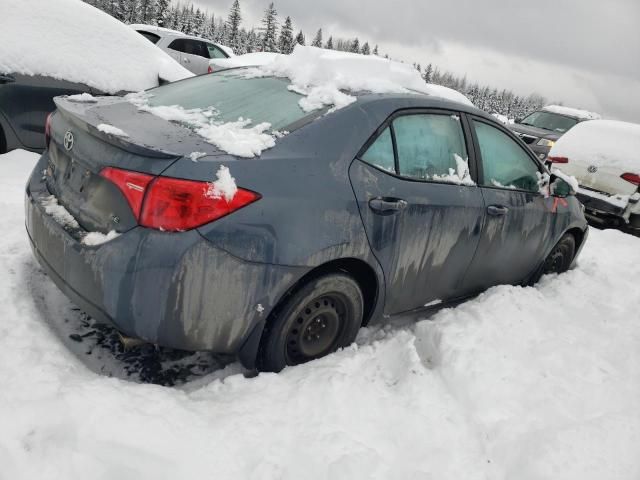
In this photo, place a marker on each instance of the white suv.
(193, 53)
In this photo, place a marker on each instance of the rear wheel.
(3, 142)
(322, 316)
(560, 258)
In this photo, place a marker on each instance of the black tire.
(3, 142)
(560, 258)
(317, 319)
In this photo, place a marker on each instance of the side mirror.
(519, 120)
(559, 187)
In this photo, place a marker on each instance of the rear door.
(422, 227)
(194, 54)
(518, 226)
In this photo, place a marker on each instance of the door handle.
(387, 205)
(497, 210)
(6, 78)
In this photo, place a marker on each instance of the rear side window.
(429, 145)
(152, 37)
(380, 153)
(178, 45)
(504, 162)
(215, 52)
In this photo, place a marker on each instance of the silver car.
(193, 53)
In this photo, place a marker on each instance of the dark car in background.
(382, 208)
(25, 102)
(541, 129)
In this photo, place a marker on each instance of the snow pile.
(71, 40)
(519, 383)
(59, 213)
(460, 175)
(111, 130)
(572, 112)
(98, 238)
(82, 98)
(247, 60)
(322, 76)
(235, 138)
(603, 143)
(225, 185)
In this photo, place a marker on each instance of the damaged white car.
(604, 156)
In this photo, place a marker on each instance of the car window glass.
(152, 37)
(431, 147)
(177, 45)
(380, 153)
(215, 52)
(504, 162)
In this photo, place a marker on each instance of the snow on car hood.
(603, 143)
(71, 40)
(323, 76)
(572, 112)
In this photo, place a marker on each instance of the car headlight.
(543, 142)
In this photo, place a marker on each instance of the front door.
(515, 236)
(421, 210)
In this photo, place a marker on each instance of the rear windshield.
(264, 99)
(550, 121)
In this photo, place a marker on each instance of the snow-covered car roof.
(572, 112)
(176, 33)
(324, 75)
(602, 143)
(71, 40)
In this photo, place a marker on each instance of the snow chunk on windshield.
(225, 186)
(572, 112)
(111, 130)
(235, 138)
(323, 76)
(603, 143)
(71, 40)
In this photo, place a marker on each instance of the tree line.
(281, 37)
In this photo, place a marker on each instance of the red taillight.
(209, 69)
(558, 159)
(174, 204)
(631, 177)
(133, 185)
(47, 130)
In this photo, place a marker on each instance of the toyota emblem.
(68, 140)
(592, 169)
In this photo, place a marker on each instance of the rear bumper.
(601, 212)
(171, 289)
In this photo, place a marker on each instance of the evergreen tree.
(375, 50)
(366, 50)
(146, 11)
(233, 25)
(162, 8)
(317, 40)
(300, 40)
(355, 46)
(428, 73)
(329, 45)
(270, 25)
(285, 43)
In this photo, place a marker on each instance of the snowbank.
(322, 76)
(247, 60)
(519, 383)
(604, 143)
(572, 112)
(71, 40)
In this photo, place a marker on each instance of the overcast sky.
(584, 53)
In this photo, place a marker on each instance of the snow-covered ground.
(519, 383)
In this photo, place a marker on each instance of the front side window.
(177, 45)
(504, 162)
(431, 147)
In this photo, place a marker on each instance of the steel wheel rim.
(317, 328)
